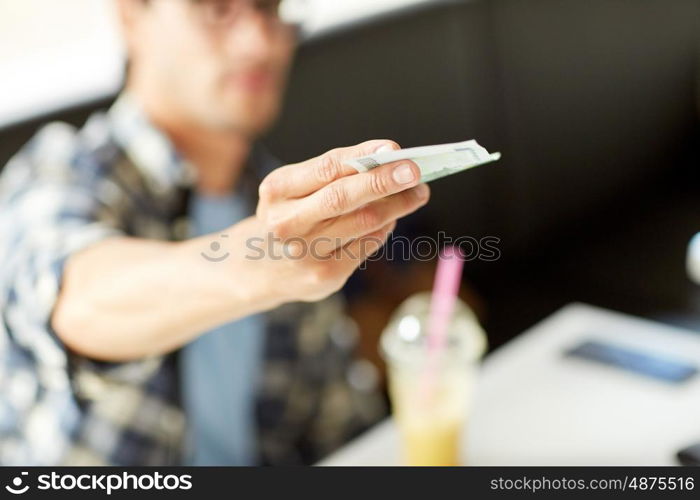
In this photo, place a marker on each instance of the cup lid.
(405, 339)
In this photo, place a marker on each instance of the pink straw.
(445, 290)
(442, 304)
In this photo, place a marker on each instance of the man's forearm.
(126, 298)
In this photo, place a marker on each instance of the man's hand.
(322, 219)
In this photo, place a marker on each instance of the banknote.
(434, 161)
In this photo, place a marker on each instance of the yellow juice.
(430, 419)
(435, 443)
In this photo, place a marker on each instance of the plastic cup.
(431, 393)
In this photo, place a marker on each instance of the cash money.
(434, 161)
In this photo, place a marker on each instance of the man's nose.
(251, 37)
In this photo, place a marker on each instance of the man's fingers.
(301, 179)
(350, 193)
(368, 219)
(356, 252)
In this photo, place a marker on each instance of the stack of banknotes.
(434, 161)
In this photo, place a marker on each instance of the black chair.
(593, 105)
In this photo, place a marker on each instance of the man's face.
(221, 64)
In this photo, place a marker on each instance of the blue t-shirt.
(220, 369)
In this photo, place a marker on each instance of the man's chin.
(247, 126)
(253, 117)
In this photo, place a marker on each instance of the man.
(155, 312)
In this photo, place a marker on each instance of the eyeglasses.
(224, 13)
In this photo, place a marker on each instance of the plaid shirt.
(119, 176)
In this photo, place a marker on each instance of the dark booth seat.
(593, 105)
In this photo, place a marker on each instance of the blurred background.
(593, 104)
(53, 55)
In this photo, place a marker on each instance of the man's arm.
(124, 298)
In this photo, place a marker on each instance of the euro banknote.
(434, 161)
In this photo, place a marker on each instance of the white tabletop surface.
(536, 407)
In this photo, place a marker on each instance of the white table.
(536, 407)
